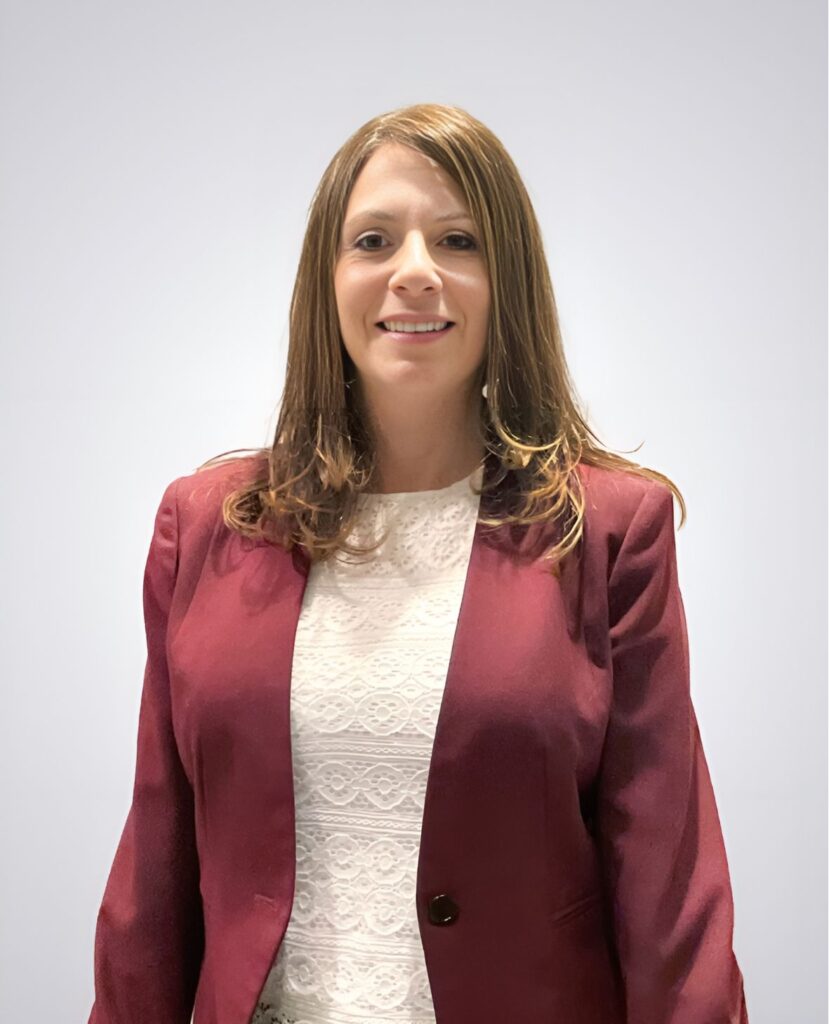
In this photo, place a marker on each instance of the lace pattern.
(370, 658)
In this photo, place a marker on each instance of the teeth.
(400, 325)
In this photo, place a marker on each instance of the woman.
(416, 739)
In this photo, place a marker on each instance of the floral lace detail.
(370, 657)
(266, 1014)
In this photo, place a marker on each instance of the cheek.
(354, 299)
(476, 292)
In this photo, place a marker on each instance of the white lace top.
(371, 654)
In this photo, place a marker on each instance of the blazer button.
(442, 909)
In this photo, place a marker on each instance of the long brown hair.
(309, 480)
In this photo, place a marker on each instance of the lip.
(415, 318)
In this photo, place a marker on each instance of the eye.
(357, 244)
(469, 246)
(465, 238)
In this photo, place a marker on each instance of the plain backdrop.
(157, 164)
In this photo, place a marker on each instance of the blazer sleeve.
(657, 826)
(149, 936)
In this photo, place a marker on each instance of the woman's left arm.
(657, 823)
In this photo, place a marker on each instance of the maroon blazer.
(572, 868)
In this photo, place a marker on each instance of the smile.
(416, 332)
(426, 325)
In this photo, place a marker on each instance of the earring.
(484, 391)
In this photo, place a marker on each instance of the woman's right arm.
(149, 937)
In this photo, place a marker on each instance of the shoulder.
(198, 496)
(615, 500)
(202, 492)
(189, 524)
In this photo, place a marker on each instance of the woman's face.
(421, 257)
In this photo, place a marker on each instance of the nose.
(413, 265)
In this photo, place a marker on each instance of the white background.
(157, 165)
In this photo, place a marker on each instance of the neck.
(424, 443)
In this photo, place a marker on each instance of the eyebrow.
(385, 215)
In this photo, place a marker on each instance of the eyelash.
(455, 234)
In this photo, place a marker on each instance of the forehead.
(399, 176)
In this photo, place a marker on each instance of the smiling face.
(424, 259)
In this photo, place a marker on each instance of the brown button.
(442, 909)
